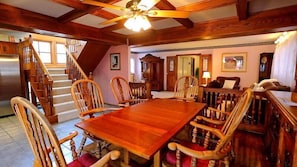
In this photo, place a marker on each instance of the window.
(132, 66)
(44, 50)
(61, 53)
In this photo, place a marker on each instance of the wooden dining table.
(143, 129)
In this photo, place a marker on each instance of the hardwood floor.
(249, 150)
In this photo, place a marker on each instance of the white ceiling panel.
(91, 20)
(164, 23)
(45, 7)
(217, 13)
(179, 3)
(125, 31)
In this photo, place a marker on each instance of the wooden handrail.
(44, 69)
(74, 71)
(225, 99)
(141, 90)
(38, 76)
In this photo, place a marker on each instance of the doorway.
(190, 64)
(181, 65)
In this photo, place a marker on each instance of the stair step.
(59, 77)
(63, 103)
(62, 83)
(67, 115)
(56, 70)
(61, 107)
(62, 90)
(62, 98)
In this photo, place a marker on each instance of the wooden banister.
(39, 78)
(141, 90)
(42, 66)
(225, 99)
(74, 71)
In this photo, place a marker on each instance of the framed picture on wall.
(234, 62)
(115, 61)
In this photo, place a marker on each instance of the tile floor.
(14, 147)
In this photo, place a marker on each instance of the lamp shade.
(137, 23)
(206, 74)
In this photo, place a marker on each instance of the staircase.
(63, 103)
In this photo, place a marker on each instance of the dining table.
(145, 128)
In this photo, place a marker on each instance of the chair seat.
(186, 160)
(85, 160)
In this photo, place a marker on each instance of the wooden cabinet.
(8, 48)
(152, 69)
(281, 137)
(265, 66)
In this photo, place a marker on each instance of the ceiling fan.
(137, 10)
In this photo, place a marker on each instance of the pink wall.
(253, 55)
(103, 74)
(247, 78)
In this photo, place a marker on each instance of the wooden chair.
(209, 146)
(186, 88)
(89, 101)
(122, 92)
(44, 143)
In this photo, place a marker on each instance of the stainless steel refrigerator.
(10, 82)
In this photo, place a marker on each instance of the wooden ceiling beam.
(242, 7)
(205, 5)
(275, 20)
(165, 5)
(72, 15)
(23, 20)
(81, 9)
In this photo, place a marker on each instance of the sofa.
(225, 82)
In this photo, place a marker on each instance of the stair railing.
(40, 80)
(74, 71)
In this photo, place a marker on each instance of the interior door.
(171, 72)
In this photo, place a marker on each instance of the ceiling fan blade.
(168, 13)
(104, 5)
(147, 4)
(113, 20)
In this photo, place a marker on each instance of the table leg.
(157, 159)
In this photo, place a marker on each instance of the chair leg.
(211, 163)
(82, 143)
(226, 161)
(98, 152)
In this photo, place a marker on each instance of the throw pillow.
(229, 84)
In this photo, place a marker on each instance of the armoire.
(152, 70)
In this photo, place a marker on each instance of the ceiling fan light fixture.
(137, 23)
